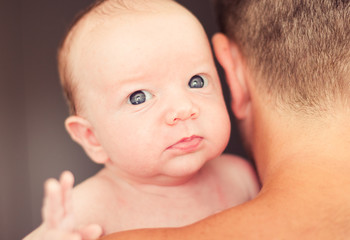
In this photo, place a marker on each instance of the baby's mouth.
(188, 144)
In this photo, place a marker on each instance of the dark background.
(33, 142)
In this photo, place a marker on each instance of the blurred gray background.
(33, 142)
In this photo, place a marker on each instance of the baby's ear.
(82, 132)
(229, 57)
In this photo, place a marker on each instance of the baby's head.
(297, 51)
(143, 90)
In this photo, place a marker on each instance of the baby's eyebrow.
(126, 84)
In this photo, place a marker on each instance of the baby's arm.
(58, 217)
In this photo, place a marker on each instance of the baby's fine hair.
(298, 51)
(100, 8)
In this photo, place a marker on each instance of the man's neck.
(307, 158)
(286, 142)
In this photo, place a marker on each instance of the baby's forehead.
(123, 31)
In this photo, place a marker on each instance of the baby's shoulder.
(233, 163)
(93, 187)
(235, 170)
(96, 201)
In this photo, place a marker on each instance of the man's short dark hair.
(298, 51)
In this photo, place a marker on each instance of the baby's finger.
(91, 232)
(52, 210)
(67, 182)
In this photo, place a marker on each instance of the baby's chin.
(184, 169)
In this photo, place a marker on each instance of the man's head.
(144, 87)
(297, 51)
(287, 64)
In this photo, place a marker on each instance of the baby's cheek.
(222, 127)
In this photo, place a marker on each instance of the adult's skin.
(303, 161)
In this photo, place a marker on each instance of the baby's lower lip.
(187, 144)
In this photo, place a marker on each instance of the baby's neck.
(163, 185)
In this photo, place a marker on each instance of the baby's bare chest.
(154, 214)
(124, 213)
(117, 208)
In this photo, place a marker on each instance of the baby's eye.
(139, 97)
(197, 81)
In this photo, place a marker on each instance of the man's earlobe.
(81, 132)
(229, 57)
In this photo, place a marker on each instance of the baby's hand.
(58, 215)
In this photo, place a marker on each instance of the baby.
(146, 102)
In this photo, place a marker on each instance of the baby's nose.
(181, 112)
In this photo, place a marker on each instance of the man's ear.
(81, 132)
(229, 57)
